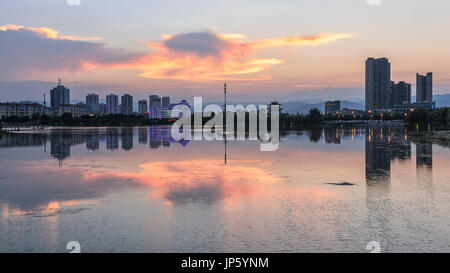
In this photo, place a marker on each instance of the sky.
(264, 50)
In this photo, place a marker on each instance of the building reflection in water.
(424, 155)
(127, 138)
(424, 165)
(333, 136)
(22, 140)
(112, 139)
(162, 136)
(400, 145)
(378, 179)
(62, 140)
(382, 146)
(143, 135)
(92, 140)
(378, 156)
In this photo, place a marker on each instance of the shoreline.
(441, 138)
(437, 133)
(365, 123)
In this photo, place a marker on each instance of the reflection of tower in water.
(378, 156)
(378, 178)
(112, 138)
(127, 138)
(424, 155)
(61, 142)
(143, 135)
(60, 146)
(332, 135)
(424, 164)
(156, 135)
(92, 140)
(162, 136)
(400, 145)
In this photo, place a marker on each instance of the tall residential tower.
(59, 95)
(424, 88)
(143, 108)
(127, 104)
(378, 85)
(112, 104)
(154, 102)
(92, 103)
(401, 93)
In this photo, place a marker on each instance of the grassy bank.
(437, 119)
(441, 138)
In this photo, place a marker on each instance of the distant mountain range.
(295, 107)
(300, 107)
(303, 107)
(441, 100)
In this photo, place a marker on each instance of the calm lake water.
(138, 190)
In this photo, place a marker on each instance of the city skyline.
(208, 128)
(306, 51)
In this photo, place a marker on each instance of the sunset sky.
(284, 49)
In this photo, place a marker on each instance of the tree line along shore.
(437, 119)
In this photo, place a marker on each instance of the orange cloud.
(195, 56)
(301, 41)
(204, 56)
(48, 33)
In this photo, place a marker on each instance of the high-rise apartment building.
(165, 101)
(103, 109)
(401, 93)
(378, 85)
(59, 95)
(92, 103)
(424, 88)
(143, 108)
(154, 103)
(127, 104)
(112, 104)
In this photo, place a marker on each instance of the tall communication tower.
(225, 97)
(225, 125)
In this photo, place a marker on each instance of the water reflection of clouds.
(35, 186)
(41, 188)
(201, 180)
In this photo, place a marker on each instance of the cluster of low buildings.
(155, 108)
(334, 108)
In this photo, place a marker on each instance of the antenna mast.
(225, 125)
(225, 95)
